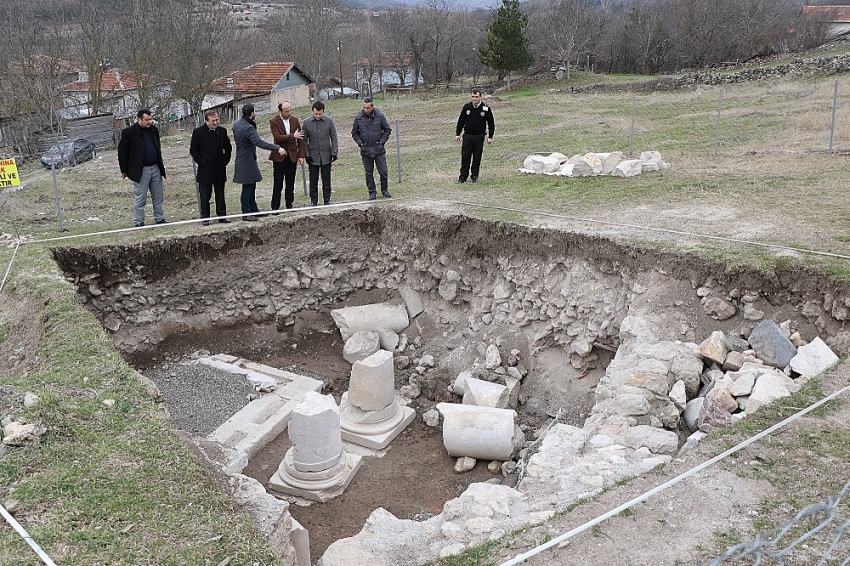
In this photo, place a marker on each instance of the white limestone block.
(459, 385)
(361, 345)
(372, 384)
(370, 317)
(315, 433)
(412, 301)
(678, 395)
(484, 433)
(628, 168)
(492, 359)
(485, 394)
(813, 358)
(387, 339)
(609, 161)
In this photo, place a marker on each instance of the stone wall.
(561, 289)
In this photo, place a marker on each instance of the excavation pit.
(550, 302)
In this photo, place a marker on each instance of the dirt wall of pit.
(561, 288)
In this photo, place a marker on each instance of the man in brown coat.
(286, 130)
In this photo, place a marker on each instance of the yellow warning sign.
(9, 173)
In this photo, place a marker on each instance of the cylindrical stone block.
(483, 433)
(315, 433)
(370, 317)
(372, 384)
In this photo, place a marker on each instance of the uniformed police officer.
(475, 121)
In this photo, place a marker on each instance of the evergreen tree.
(506, 49)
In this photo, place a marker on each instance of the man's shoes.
(459, 181)
(205, 222)
(372, 197)
(163, 221)
(289, 206)
(224, 221)
(386, 194)
(474, 179)
(314, 204)
(139, 225)
(250, 218)
(327, 202)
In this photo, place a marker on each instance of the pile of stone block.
(592, 164)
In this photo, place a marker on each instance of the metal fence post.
(56, 194)
(542, 109)
(304, 180)
(398, 149)
(832, 127)
(717, 129)
(632, 130)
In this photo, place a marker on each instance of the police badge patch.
(468, 111)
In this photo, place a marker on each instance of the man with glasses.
(211, 149)
(286, 131)
(370, 132)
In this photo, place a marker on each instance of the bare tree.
(434, 20)
(566, 30)
(309, 32)
(143, 47)
(34, 66)
(204, 47)
(646, 39)
(94, 46)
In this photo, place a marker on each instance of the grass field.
(115, 486)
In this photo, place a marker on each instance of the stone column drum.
(484, 433)
(316, 467)
(369, 412)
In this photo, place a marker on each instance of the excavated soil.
(265, 292)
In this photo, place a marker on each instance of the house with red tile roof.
(272, 81)
(838, 17)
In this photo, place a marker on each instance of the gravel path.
(198, 397)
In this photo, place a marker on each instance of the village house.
(267, 83)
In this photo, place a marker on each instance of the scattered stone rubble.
(592, 164)
(647, 388)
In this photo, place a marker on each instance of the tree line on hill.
(192, 42)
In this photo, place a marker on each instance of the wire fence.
(795, 117)
(816, 535)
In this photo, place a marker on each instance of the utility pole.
(341, 82)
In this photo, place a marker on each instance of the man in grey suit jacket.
(321, 145)
(246, 172)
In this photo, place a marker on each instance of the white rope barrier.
(9, 269)
(25, 535)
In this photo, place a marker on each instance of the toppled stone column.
(483, 433)
(316, 467)
(370, 317)
(370, 415)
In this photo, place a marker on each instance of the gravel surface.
(200, 398)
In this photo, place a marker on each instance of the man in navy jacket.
(370, 132)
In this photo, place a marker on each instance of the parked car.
(69, 152)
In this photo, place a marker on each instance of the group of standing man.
(314, 141)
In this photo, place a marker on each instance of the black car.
(69, 152)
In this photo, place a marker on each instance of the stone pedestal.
(370, 415)
(315, 467)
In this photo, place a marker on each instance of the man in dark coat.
(211, 150)
(370, 132)
(321, 146)
(246, 172)
(476, 118)
(286, 131)
(140, 159)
